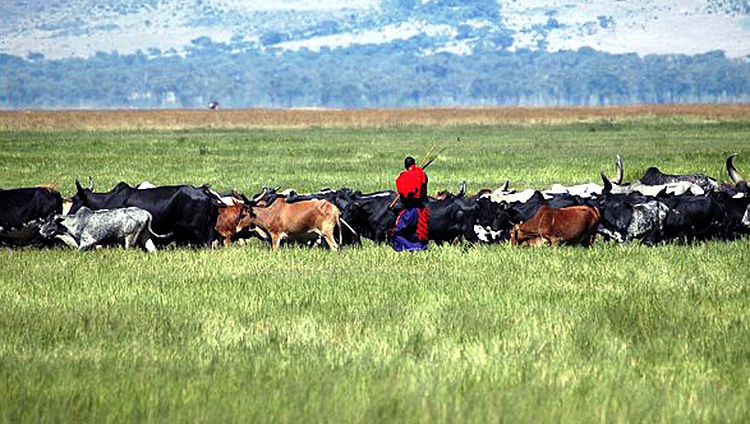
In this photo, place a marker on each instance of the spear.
(435, 157)
(427, 155)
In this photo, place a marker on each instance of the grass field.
(611, 334)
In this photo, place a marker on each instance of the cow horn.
(618, 166)
(462, 189)
(245, 199)
(91, 183)
(733, 174)
(607, 183)
(504, 187)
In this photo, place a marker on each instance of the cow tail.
(338, 224)
(151, 230)
(346, 224)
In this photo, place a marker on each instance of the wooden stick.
(424, 159)
(436, 156)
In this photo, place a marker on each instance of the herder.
(411, 229)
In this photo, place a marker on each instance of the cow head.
(53, 226)
(247, 219)
(443, 194)
(267, 196)
(235, 212)
(80, 199)
(492, 221)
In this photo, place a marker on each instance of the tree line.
(396, 74)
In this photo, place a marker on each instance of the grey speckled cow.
(86, 228)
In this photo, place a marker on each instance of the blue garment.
(400, 244)
(405, 232)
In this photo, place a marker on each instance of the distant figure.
(213, 105)
(411, 229)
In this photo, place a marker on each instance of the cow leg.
(535, 242)
(327, 231)
(87, 242)
(589, 239)
(149, 246)
(130, 241)
(328, 235)
(275, 241)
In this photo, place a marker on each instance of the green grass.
(615, 333)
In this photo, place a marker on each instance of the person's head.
(408, 162)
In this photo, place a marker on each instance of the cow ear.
(78, 186)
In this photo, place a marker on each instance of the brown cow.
(571, 225)
(228, 220)
(299, 220)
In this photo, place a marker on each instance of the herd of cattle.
(657, 208)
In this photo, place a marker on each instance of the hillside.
(80, 28)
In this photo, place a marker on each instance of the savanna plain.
(460, 334)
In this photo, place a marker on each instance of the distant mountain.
(371, 53)
(81, 28)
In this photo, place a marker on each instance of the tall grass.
(615, 333)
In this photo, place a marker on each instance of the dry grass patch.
(351, 118)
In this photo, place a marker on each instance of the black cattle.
(735, 208)
(654, 177)
(691, 218)
(368, 214)
(22, 212)
(453, 219)
(493, 222)
(627, 217)
(188, 212)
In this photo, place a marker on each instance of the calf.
(571, 225)
(299, 220)
(228, 221)
(86, 228)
